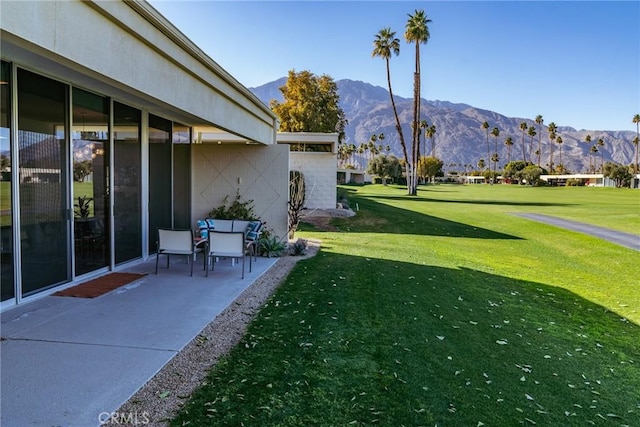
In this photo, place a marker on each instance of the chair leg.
(243, 266)
(189, 261)
(157, 256)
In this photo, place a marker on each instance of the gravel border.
(163, 395)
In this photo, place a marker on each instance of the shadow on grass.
(382, 342)
(375, 217)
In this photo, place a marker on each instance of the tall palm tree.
(384, 45)
(539, 121)
(593, 150)
(552, 136)
(495, 159)
(431, 133)
(636, 120)
(417, 32)
(636, 140)
(509, 143)
(532, 132)
(485, 126)
(523, 127)
(587, 140)
(560, 165)
(600, 144)
(424, 126)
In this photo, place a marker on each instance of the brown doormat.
(101, 285)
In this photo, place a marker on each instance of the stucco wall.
(261, 173)
(319, 170)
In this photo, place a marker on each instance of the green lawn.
(445, 309)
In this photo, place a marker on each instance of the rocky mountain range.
(459, 138)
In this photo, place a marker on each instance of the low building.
(114, 91)
(315, 156)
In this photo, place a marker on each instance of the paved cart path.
(625, 239)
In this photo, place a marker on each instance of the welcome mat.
(100, 286)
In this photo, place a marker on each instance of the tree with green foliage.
(82, 169)
(429, 167)
(532, 132)
(417, 32)
(513, 169)
(618, 173)
(311, 104)
(530, 174)
(485, 126)
(552, 129)
(385, 167)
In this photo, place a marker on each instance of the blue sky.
(577, 63)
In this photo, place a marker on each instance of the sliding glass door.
(7, 281)
(90, 138)
(159, 177)
(127, 183)
(43, 159)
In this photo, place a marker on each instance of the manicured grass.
(442, 309)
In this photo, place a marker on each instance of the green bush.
(238, 209)
(271, 247)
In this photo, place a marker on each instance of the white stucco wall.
(319, 170)
(261, 173)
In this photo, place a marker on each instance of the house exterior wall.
(128, 55)
(319, 170)
(259, 173)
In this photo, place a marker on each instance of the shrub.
(299, 248)
(271, 247)
(238, 209)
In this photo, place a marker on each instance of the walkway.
(73, 361)
(628, 240)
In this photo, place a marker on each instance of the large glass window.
(159, 177)
(181, 176)
(127, 185)
(6, 222)
(90, 138)
(43, 159)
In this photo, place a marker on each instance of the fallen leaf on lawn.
(528, 397)
(440, 337)
(501, 342)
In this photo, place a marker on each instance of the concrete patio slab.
(68, 361)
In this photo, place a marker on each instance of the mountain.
(459, 137)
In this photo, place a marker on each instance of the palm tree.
(532, 132)
(636, 120)
(509, 143)
(593, 150)
(587, 140)
(539, 121)
(485, 126)
(424, 126)
(481, 164)
(523, 127)
(552, 136)
(431, 133)
(416, 31)
(384, 45)
(496, 133)
(601, 144)
(560, 165)
(636, 140)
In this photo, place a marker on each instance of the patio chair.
(176, 242)
(225, 244)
